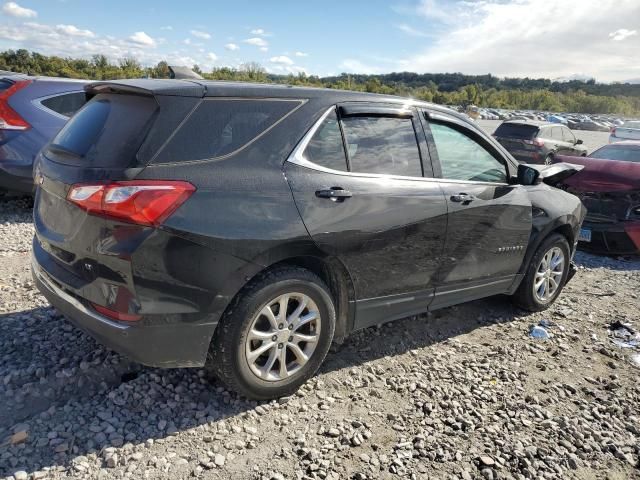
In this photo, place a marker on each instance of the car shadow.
(54, 369)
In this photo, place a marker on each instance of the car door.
(489, 218)
(560, 145)
(361, 181)
(570, 140)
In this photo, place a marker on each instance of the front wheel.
(275, 335)
(545, 276)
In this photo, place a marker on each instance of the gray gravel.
(462, 393)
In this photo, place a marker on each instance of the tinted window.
(462, 158)
(107, 131)
(382, 145)
(325, 147)
(219, 127)
(546, 133)
(66, 104)
(618, 152)
(516, 130)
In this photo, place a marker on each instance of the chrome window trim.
(297, 157)
(37, 102)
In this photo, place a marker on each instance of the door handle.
(337, 194)
(463, 198)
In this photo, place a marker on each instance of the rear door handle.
(337, 194)
(463, 198)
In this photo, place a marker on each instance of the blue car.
(32, 111)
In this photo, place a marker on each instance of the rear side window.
(106, 132)
(516, 130)
(325, 147)
(219, 127)
(66, 104)
(385, 145)
(546, 133)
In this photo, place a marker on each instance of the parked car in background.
(590, 125)
(242, 227)
(556, 119)
(627, 131)
(32, 111)
(609, 186)
(537, 142)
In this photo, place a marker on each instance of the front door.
(489, 219)
(372, 207)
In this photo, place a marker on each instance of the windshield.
(625, 153)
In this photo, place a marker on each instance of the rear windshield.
(626, 153)
(219, 127)
(516, 130)
(106, 132)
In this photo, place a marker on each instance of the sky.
(515, 38)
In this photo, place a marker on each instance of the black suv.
(538, 142)
(244, 227)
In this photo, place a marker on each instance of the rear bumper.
(622, 238)
(165, 345)
(16, 177)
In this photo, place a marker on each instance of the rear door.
(489, 219)
(373, 206)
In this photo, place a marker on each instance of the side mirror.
(527, 175)
(579, 142)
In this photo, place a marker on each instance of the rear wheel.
(548, 160)
(275, 335)
(545, 276)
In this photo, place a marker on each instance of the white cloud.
(14, 10)
(74, 31)
(499, 37)
(350, 65)
(282, 59)
(166, 27)
(258, 31)
(212, 56)
(301, 54)
(621, 34)
(231, 47)
(257, 41)
(264, 49)
(143, 39)
(187, 41)
(409, 30)
(201, 34)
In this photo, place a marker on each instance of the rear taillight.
(143, 202)
(9, 118)
(115, 315)
(538, 142)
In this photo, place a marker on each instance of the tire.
(525, 296)
(234, 354)
(548, 160)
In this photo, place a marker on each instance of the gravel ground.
(462, 393)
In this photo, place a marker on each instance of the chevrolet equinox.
(244, 227)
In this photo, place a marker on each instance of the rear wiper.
(55, 148)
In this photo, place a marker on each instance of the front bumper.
(621, 238)
(165, 345)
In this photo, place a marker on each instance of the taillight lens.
(143, 202)
(115, 315)
(538, 142)
(9, 118)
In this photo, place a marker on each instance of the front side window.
(568, 136)
(462, 158)
(384, 145)
(325, 147)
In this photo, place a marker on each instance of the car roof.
(536, 123)
(218, 88)
(39, 78)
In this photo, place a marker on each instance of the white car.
(628, 131)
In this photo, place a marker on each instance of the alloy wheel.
(282, 337)
(549, 275)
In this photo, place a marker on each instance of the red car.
(609, 187)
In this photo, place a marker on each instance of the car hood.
(556, 173)
(602, 175)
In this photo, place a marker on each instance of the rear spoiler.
(149, 87)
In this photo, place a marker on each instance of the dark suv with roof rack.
(243, 227)
(538, 142)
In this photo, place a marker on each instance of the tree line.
(444, 88)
